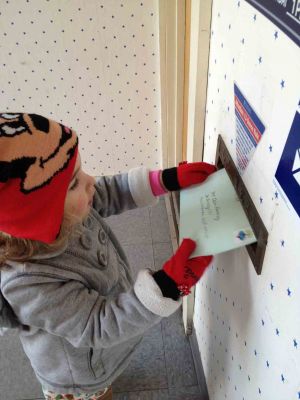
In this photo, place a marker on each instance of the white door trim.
(171, 33)
(172, 29)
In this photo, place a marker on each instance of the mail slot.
(256, 250)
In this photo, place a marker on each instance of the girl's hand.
(186, 174)
(185, 271)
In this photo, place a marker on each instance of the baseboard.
(172, 201)
(198, 365)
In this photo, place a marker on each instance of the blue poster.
(283, 13)
(249, 129)
(288, 170)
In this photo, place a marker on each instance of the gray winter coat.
(80, 314)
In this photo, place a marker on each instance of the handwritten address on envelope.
(212, 215)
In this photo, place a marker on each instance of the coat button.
(86, 241)
(88, 222)
(102, 236)
(102, 258)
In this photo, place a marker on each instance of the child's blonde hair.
(18, 249)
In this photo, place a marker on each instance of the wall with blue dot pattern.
(92, 65)
(248, 326)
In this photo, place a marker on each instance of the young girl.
(66, 283)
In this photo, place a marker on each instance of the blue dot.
(270, 148)
(276, 34)
(282, 243)
(268, 365)
(295, 343)
(261, 200)
(272, 286)
(289, 292)
(260, 60)
(243, 41)
(262, 322)
(277, 332)
(276, 195)
(282, 378)
(282, 83)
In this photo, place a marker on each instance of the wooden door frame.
(171, 39)
(177, 137)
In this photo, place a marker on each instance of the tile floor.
(163, 367)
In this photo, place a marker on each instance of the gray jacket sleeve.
(81, 315)
(118, 193)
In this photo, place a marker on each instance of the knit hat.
(37, 160)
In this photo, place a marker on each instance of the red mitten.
(183, 271)
(186, 174)
(192, 173)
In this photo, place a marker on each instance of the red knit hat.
(37, 160)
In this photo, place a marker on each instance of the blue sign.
(283, 13)
(249, 129)
(288, 170)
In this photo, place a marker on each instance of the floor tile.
(162, 252)
(186, 393)
(143, 395)
(131, 229)
(147, 369)
(159, 222)
(179, 360)
(139, 256)
(137, 212)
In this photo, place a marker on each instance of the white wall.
(93, 65)
(248, 326)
